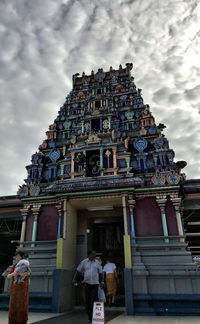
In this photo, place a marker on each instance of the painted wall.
(47, 223)
(147, 217)
(29, 226)
(171, 218)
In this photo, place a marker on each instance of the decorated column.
(114, 149)
(132, 223)
(101, 160)
(59, 208)
(24, 213)
(161, 200)
(101, 123)
(176, 203)
(127, 242)
(109, 120)
(35, 211)
(82, 126)
(62, 166)
(72, 164)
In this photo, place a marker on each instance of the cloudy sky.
(44, 42)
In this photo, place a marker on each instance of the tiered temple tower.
(105, 178)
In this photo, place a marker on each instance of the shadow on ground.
(78, 317)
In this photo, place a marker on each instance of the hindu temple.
(104, 178)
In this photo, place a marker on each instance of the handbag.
(101, 294)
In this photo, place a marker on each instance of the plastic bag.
(101, 294)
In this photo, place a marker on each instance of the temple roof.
(103, 131)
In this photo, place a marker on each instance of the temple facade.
(105, 179)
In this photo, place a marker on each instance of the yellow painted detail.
(59, 257)
(127, 251)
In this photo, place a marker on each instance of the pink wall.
(29, 226)
(47, 224)
(171, 218)
(147, 217)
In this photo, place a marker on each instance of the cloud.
(44, 42)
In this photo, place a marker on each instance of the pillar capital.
(131, 202)
(24, 211)
(36, 207)
(35, 211)
(176, 200)
(161, 200)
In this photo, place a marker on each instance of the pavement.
(77, 316)
(113, 316)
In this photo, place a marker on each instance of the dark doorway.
(9, 237)
(107, 240)
(93, 163)
(95, 125)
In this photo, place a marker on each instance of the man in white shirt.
(92, 271)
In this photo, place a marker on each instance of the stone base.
(166, 304)
(163, 280)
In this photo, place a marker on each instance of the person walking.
(92, 273)
(111, 281)
(19, 292)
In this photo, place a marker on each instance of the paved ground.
(33, 317)
(113, 316)
(122, 319)
(78, 316)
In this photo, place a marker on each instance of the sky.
(44, 42)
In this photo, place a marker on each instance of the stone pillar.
(101, 161)
(126, 232)
(82, 126)
(72, 164)
(59, 208)
(101, 123)
(127, 163)
(35, 222)
(64, 218)
(24, 213)
(114, 149)
(127, 241)
(62, 166)
(109, 120)
(176, 203)
(161, 200)
(132, 223)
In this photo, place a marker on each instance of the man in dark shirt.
(92, 271)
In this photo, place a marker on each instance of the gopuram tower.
(105, 179)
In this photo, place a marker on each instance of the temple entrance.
(102, 228)
(107, 240)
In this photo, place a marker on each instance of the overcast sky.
(44, 42)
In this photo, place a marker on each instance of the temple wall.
(147, 217)
(47, 224)
(171, 218)
(29, 226)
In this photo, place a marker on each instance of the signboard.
(98, 313)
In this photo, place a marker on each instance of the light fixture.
(100, 208)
